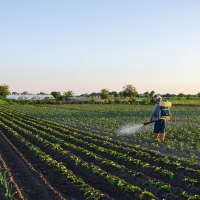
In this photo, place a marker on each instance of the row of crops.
(6, 186)
(99, 166)
(183, 131)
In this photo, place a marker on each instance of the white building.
(30, 96)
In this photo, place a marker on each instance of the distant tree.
(198, 94)
(15, 93)
(146, 94)
(121, 94)
(167, 95)
(188, 96)
(25, 92)
(155, 95)
(68, 94)
(55, 94)
(180, 95)
(152, 93)
(42, 93)
(104, 94)
(129, 91)
(114, 93)
(4, 91)
(61, 98)
(86, 95)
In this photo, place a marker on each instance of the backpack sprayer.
(165, 111)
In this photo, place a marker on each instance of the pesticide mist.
(130, 129)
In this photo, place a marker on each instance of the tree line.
(128, 91)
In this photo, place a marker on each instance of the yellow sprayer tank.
(165, 112)
(166, 104)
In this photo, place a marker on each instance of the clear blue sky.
(88, 45)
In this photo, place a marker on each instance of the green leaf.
(112, 182)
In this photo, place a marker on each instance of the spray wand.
(145, 123)
(148, 122)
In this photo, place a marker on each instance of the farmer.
(160, 123)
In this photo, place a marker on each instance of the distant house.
(95, 95)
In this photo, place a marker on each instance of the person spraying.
(160, 122)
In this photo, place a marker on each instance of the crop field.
(79, 152)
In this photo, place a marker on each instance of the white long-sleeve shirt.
(156, 113)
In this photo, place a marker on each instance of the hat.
(158, 97)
